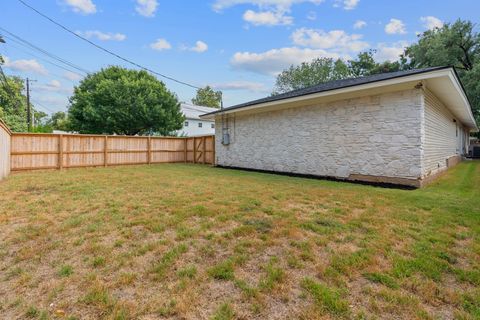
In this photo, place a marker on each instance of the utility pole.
(29, 106)
(29, 116)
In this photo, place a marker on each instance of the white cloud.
(285, 5)
(336, 40)
(359, 24)
(56, 102)
(54, 86)
(200, 47)
(24, 65)
(346, 4)
(395, 26)
(267, 18)
(392, 52)
(273, 61)
(72, 76)
(161, 44)
(312, 15)
(147, 8)
(82, 6)
(102, 36)
(431, 22)
(241, 85)
(270, 13)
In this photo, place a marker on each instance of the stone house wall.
(379, 136)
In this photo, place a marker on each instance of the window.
(213, 126)
(200, 124)
(186, 124)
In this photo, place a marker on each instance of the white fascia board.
(458, 86)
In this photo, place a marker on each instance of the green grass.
(381, 278)
(325, 298)
(65, 271)
(192, 241)
(223, 270)
(224, 312)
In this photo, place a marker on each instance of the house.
(193, 125)
(399, 128)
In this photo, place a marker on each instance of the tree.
(59, 121)
(455, 44)
(365, 65)
(116, 100)
(208, 97)
(1, 58)
(13, 103)
(41, 122)
(308, 74)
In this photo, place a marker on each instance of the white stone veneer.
(377, 135)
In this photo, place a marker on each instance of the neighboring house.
(400, 128)
(193, 125)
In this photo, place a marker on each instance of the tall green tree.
(59, 121)
(13, 103)
(455, 44)
(365, 65)
(1, 41)
(116, 100)
(311, 73)
(208, 97)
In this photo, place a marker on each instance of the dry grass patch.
(195, 242)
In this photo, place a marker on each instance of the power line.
(104, 49)
(41, 105)
(24, 42)
(42, 59)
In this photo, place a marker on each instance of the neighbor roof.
(194, 112)
(352, 82)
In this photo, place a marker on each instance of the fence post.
(185, 149)
(149, 153)
(60, 151)
(105, 152)
(194, 150)
(213, 151)
(204, 149)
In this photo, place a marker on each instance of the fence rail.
(57, 151)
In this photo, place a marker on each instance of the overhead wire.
(58, 24)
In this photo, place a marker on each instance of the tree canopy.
(59, 121)
(13, 103)
(116, 100)
(307, 74)
(208, 97)
(455, 44)
(321, 70)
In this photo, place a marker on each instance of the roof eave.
(446, 71)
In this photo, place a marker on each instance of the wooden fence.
(56, 151)
(4, 150)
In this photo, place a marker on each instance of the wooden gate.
(200, 150)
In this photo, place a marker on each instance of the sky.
(237, 46)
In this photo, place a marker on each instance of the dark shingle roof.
(332, 85)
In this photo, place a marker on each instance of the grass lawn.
(195, 242)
